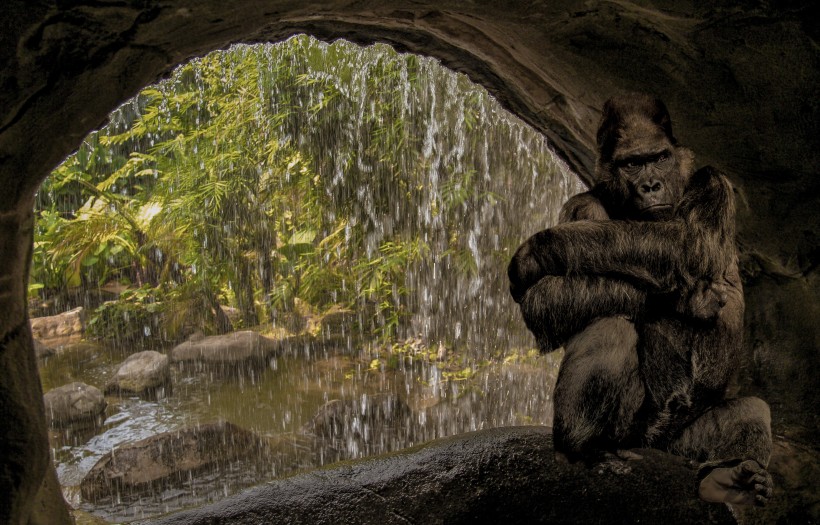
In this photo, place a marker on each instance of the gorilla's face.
(647, 165)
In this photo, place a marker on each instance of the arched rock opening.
(740, 81)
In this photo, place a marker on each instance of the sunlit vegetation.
(275, 180)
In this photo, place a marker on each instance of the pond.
(281, 401)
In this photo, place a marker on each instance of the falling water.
(458, 293)
(459, 360)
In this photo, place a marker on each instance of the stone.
(141, 373)
(163, 460)
(230, 349)
(60, 329)
(74, 404)
(503, 475)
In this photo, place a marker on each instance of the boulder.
(74, 404)
(503, 475)
(163, 460)
(233, 348)
(60, 329)
(141, 373)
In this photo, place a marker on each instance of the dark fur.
(646, 299)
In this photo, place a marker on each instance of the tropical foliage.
(263, 176)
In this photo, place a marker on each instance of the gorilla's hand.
(531, 262)
(705, 301)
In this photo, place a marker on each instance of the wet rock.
(60, 329)
(141, 373)
(233, 348)
(166, 459)
(503, 475)
(74, 404)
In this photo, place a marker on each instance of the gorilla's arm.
(655, 257)
(556, 308)
(645, 254)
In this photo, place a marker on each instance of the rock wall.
(740, 78)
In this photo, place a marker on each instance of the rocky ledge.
(504, 475)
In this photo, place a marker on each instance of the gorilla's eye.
(663, 157)
(632, 166)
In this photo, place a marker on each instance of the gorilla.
(639, 283)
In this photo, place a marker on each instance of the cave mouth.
(350, 205)
(89, 73)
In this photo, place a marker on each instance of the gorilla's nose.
(651, 186)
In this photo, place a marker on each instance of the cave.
(740, 79)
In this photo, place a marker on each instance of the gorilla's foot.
(745, 484)
(618, 461)
(627, 455)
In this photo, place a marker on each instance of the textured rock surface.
(141, 373)
(740, 78)
(74, 403)
(166, 458)
(505, 476)
(233, 348)
(60, 329)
